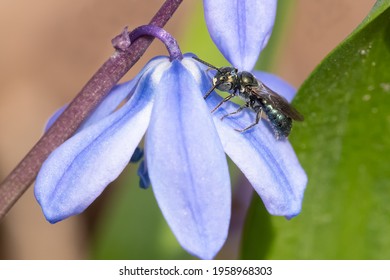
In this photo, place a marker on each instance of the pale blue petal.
(106, 107)
(110, 103)
(277, 84)
(119, 94)
(186, 163)
(270, 165)
(240, 28)
(79, 170)
(54, 117)
(115, 97)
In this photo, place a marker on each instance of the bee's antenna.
(210, 91)
(212, 67)
(205, 63)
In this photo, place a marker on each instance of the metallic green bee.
(257, 96)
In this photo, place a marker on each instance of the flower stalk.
(96, 89)
(125, 39)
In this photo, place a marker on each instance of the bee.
(257, 96)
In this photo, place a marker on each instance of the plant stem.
(159, 33)
(96, 89)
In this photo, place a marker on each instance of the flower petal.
(186, 163)
(106, 107)
(120, 93)
(277, 84)
(110, 103)
(240, 28)
(270, 165)
(54, 117)
(79, 170)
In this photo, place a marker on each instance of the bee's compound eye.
(225, 86)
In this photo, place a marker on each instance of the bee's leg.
(258, 117)
(246, 105)
(227, 98)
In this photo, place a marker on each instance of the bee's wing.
(279, 102)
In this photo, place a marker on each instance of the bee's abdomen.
(280, 123)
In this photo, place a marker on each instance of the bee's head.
(226, 79)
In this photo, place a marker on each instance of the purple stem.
(96, 89)
(125, 39)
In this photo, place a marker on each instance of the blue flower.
(186, 161)
(241, 30)
(270, 165)
(185, 156)
(185, 146)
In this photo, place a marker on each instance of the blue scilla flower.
(185, 156)
(241, 30)
(185, 148)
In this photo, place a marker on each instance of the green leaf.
(258, 231)
(344, 145)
